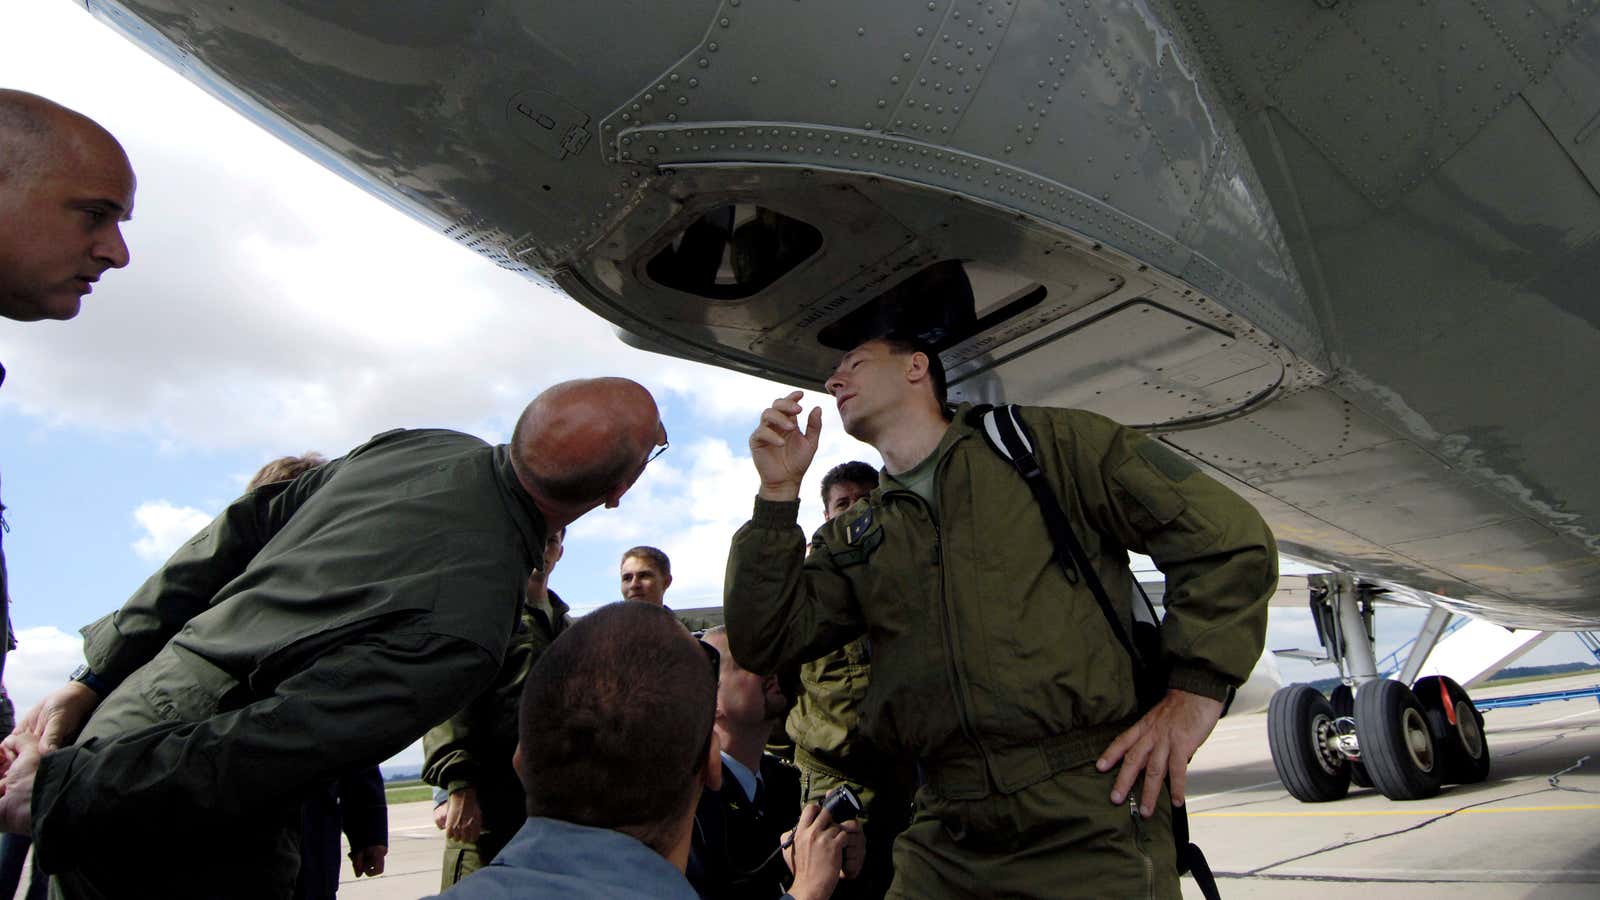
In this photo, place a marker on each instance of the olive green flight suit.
(996, 673)
(830, 751)
(472, 749)
(316, 626)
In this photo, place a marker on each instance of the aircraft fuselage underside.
(1340, 253)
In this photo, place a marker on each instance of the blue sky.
(272, 308)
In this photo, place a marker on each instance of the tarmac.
(1532, 830)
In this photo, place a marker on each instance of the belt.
(1011, 768)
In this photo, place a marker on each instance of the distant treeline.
(1327, 684)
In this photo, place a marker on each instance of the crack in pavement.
(1388, 834)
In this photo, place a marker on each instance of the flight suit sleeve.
(449, 759)
(364, 809)
(784, 606)
(122, 641)
(353, 706)
(1218, 555)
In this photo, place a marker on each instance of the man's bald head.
(65, 188)
(34, 132)
(586, 441)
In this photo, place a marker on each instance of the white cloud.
(41, 663)
(272, 305)
(166, 527)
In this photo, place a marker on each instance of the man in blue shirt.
(615, 746)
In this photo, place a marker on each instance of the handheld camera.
(841, 805)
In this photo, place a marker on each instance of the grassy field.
(406, 791)
(1499, 682)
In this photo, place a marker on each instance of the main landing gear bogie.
(1405, 742)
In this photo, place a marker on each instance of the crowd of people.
(929, 648)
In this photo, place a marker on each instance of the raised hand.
(781, 451)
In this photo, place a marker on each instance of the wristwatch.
(86, 677)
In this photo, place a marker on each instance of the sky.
(273, 308)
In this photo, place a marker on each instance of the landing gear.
(1343, 700)
(1372, 731)
(1304, 738)
(1397, 743)
(1457, 729)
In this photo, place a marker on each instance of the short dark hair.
(651, 555)
(853, 472)
(286, 467)
(613, 723)
(903, 344)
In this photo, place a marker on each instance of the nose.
(112, 249)
(834, 384)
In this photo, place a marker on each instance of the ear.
(519, 766)
(711, 772)
(916, 367)
(561, 550)
(666, 582)
(613, 497)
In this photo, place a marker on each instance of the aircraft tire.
(1343, 699)
(1397, 741)
(1464, 748)
(1300, 730)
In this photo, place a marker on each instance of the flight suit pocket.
(1151, 490)
(180, 686)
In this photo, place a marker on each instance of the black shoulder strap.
(1006, 433)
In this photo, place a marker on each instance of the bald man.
(65, 189)
(317, 626)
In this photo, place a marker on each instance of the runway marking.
(1397, 812)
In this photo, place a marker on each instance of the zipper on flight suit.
(1139, 842)
(958, 689)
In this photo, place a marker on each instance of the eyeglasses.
(715, 658)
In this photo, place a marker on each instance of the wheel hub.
(1467, 725)
(1414, 730)
(1325, 738)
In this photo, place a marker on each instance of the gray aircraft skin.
(1343, 254)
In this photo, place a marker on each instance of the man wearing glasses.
(316, 626)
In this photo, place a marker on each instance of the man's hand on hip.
(58, 718)
(781, 451)
(1160, 745)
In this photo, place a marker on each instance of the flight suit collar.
(524, 512)
(954, 433)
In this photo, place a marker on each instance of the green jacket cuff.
(775, 513)
(1200, 681)
(53, 839)
(457, 784)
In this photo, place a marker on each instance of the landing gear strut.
(1372, 731)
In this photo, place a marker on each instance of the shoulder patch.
(1166, 461)
(859, 527)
